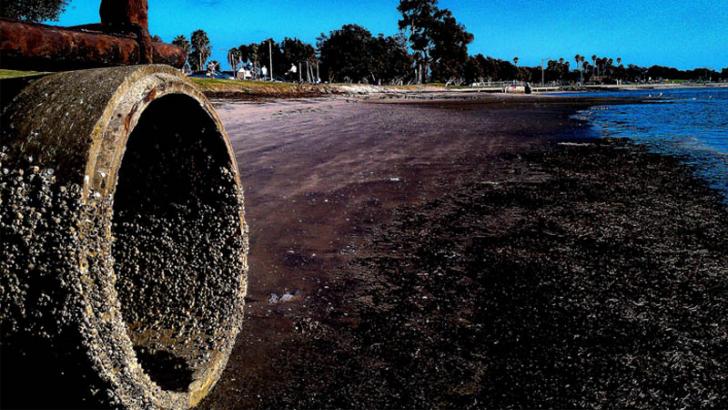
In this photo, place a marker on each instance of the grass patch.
(16, 73)
(220, 88)
(215, 84)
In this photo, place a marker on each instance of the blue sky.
(678, 33)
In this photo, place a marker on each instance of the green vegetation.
(16, 73)
(214, 84)
(432, 47)
(32, 10)
(213, 87)
(182, 42)
(352, 54)
(200, 51)
(439, 42)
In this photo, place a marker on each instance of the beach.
(412, 204)
(442, 253)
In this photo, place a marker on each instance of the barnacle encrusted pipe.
(123, 259)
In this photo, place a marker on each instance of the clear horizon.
(672, 33)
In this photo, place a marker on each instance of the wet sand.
(413, 247)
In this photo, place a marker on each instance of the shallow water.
(689, 123)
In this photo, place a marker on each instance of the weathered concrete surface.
(124, 244)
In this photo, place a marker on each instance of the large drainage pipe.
(123, 259)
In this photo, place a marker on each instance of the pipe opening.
(177, 241)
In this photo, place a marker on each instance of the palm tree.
(254, 56)
(609, 65)
(561, 67)
(620, 70)
(181, 42)
(602, 62)
(233, 57)
(594, 61)
(578, 58)
(515, 61)
(201, 48)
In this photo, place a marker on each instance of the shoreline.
(261, 90)
(233, 90)
(340, 197)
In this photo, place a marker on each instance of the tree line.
(603, 70)
(432, 46)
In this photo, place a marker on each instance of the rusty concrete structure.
(124, 243)
(129, 16)
(122, 38)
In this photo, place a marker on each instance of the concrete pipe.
(123, 259)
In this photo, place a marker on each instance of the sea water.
(691, 124)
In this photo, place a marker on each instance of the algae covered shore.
(464, 255)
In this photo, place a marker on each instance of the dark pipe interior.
(177, 240)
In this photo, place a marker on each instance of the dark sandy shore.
(460, 255)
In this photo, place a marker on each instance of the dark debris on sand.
(596, 278)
